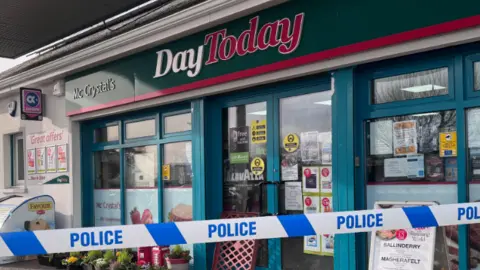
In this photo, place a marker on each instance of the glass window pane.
(106, 134)
(416, 85)
(107, 188)
(476, 76)
(177, 183)
(244, 139)
(413, 158)
(20, 160)
(178, 123)
(473, 130)
(306, 146)
(141, 178)
(140, 129)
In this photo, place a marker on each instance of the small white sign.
(395, 167)
(293, 196)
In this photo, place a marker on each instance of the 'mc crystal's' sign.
(283, 34)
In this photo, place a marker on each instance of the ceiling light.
(325, 102)
(425, 114)
(423, 88)
(259, 113)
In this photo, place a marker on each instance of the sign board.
(31, 101)
(402, 249)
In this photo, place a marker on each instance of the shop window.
(178, 123)
(473, 130)
(409, 86)
(141, 179)
(107, 188)
(105, 134)
(139, 129)
(476, 76)
(413, 148)
(17, 159)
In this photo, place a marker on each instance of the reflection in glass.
(105, 134)
(178, 123)
(309, 117)
(140, 129)
(242, 189)
(416, 85)
(107, 169)
(408, 148)
(141, 167)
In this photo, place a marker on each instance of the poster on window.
(381, 138)
(51, 159)
(177, 204)
(47, 157)
(62, 158)
(289, 167)
(326, 179)
(141, 206)
(403, 249)
(405, 137)
(448, 144)
(40, 160)
(31, 168)
(312, 244)
(310, 177)
(239, 145)
(309, 146)
(473, 122)
(107, 209)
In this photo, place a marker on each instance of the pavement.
(32, 264)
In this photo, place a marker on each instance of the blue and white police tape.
(208, 231)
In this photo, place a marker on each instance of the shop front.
(164, 141)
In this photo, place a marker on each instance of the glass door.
(305, 157)
(245, 164)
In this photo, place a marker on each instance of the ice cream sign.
(284, 35)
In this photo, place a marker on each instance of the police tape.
(209, 231)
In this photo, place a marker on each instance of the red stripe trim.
(302, 60)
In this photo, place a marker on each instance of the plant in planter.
(74, 262)
(101, 264)
(46, 260)
(178, 259)
(57, 260)
(92, 256)
(124, 261)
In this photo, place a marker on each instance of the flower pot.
(57, 262)
(44, 260)
(177, 264)
(74, 267)
(100, 268)
(88, 266)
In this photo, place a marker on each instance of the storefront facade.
(204, 124)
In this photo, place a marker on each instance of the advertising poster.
(239, 145)
(381, 138)
(40, 160)
(451, 169)
(51, 159)
(177, 204)
(310, 179)
(326, 153)
(309, 146)
(34, 214)
(448, 144)
(62, 158)
(31, 168)
(259, 131)
(107, 207)
(141, 206)
(312, 243)
(404, 249)
(395, 167)
(293, 196)
(405, 137)
(31, 101)
(326, 179)
(289, 167)
(415, 166)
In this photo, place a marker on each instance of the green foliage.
(109, 256)
(92, 256)
(179, 253)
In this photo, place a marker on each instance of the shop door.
(262, 157)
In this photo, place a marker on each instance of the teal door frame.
(272, 94)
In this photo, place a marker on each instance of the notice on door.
(448, 144)
(259, 131)
(403, 249)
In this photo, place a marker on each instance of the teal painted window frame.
(272, 95)
(462, 97)
(195, 136)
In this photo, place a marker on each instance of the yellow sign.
(448, 144)
(259, 131)
(166, 172)
(33, 207)
(291, 142)
(257, 166)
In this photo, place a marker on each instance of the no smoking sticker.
(291, 142)
(257, 166)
